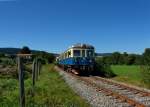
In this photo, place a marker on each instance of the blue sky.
(53, 25)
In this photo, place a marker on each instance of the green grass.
(55, 92)
(50, 91)
(128, 74)
(8, 92)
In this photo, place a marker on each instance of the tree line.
(103, 64)
(118, 58)
(45, 57)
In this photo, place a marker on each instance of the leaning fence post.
(33, 73)
(39, 67)
(21, 82)
(36, 69)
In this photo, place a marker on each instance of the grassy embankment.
(50, 90)
(128, 74)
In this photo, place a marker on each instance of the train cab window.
(83, 53)
(69, 54)
(89, 53)
(76, 53)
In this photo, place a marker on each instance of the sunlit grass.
(128, 74)
(50, 91)
(53, 91)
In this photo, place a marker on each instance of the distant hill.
(9, 50)
(13, 51)
(103, 54)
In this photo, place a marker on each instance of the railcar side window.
(83, 53)
(76, 53)
(89, 53)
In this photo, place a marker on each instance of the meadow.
(50, 91)
(128, 74)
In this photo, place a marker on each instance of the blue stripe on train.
(77, 61)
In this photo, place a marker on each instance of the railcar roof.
(79, 45)
(84, 46)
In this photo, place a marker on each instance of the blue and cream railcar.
(79, 57)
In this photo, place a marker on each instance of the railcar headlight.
(75, 59)
(90, 60)
(84, 58)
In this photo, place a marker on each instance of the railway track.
(126, 95)
(132, 96)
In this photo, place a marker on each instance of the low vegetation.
(103, 69)
(117, 58)
(50, 91)
(129, 68)
(145, 68)
(130, 74)
(54, 92)
(45, 57)
(145, 73)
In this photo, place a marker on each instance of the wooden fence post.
(21, 82)
(39, 67)
(36, 70)
(33, 73)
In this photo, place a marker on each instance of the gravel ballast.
(129, 93)
(94, 97)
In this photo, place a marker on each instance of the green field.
(50, 90)
(128, 74)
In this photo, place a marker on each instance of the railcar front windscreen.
(76, 53)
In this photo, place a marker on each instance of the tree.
(117, 58)
(107, 60)
(2, 54)
(145, 69)
(25, 50)
(47, 57)
(138, 60)
(125, 57)
(130, 59)
(146, 56)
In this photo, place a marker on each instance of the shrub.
(2, 55)
(8, 62)
(145, 69)
(103, 69)
(56, 63)
(145, 72)
(45, 57)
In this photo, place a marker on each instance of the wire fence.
(36, 70)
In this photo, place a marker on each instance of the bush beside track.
(103, 69)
